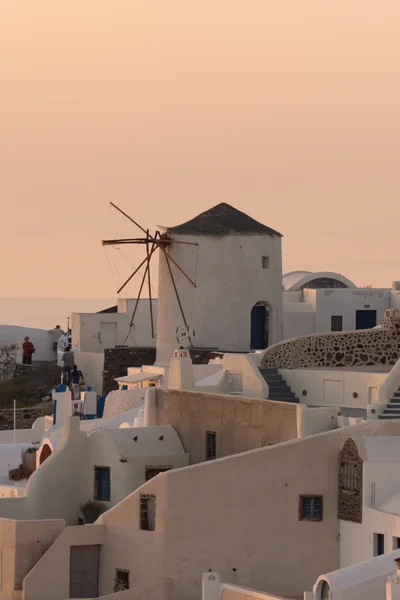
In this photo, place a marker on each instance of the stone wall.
(25, 417)
(117, 361)
(362, 348)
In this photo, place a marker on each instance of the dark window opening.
(310, 508)
(379, 544)
(121, 581)
(102, 487)
(337, 323)
(147, 512)
(153, 471)
(211, 445)
(396, 543)
(365, 319)
(265, 262)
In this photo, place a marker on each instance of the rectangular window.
(147, 512)
(310, 508)
(265, 262)
(337, 323)
(396, 543)
(121, 582)
(102, 487)
(211, 445)
(379, 544)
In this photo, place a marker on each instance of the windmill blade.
(137, 269)
(177, 295)
(128, 217)
(168, 256)
(139, 294)
(149, 282)
(123, 241)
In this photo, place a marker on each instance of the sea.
(46, 313)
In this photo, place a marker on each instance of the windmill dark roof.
(221, 220)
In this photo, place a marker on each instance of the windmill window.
(265, 262)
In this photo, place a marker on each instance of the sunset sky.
(286, 109)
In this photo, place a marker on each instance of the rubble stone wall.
(368, 347)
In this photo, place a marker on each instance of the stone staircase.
(392, 410)
(278, 388)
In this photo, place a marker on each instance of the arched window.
(350, 483)
(323, 282)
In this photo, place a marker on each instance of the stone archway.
(45, 453)
(260, 326)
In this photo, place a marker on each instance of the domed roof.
(296, 280)
(221, 220)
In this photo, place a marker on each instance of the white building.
(325, 301)
(96, 332)
(236, 266)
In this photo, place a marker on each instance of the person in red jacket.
(27, 350)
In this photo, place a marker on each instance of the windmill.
(154, 242)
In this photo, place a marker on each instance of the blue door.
(365, 319)
(258, 323)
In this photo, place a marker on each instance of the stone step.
(393, 410)
(284, 395)
(277, 384)
(395, 401)
(266, 371)
(269, 378)
(387, 417)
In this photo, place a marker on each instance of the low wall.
(316, 420)
(120, 401)
(25, 417)
(370, 347)
(330, 387)
(160, 590)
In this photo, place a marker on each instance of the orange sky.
(287, 109)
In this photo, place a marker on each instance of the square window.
(147, 512)
(310, 508)
(265, 262)
(211, 445)
(337, 323)
(396, 543)
(102, 486)
(121, 582)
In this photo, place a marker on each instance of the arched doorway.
(45, 453)
(260, 325)
(325, 591)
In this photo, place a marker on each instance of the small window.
(337, 323)
(102, 487)
(396, 543)
(265, 262)
(348, 476)
(379, 544)
(147, 512)
(310, 508)
(211, 445)
(121, 582)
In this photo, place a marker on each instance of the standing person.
(27, 350)
(68, 361)
(76, 380)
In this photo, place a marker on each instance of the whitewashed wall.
(334, 387)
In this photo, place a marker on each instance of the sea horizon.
(46, 313)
